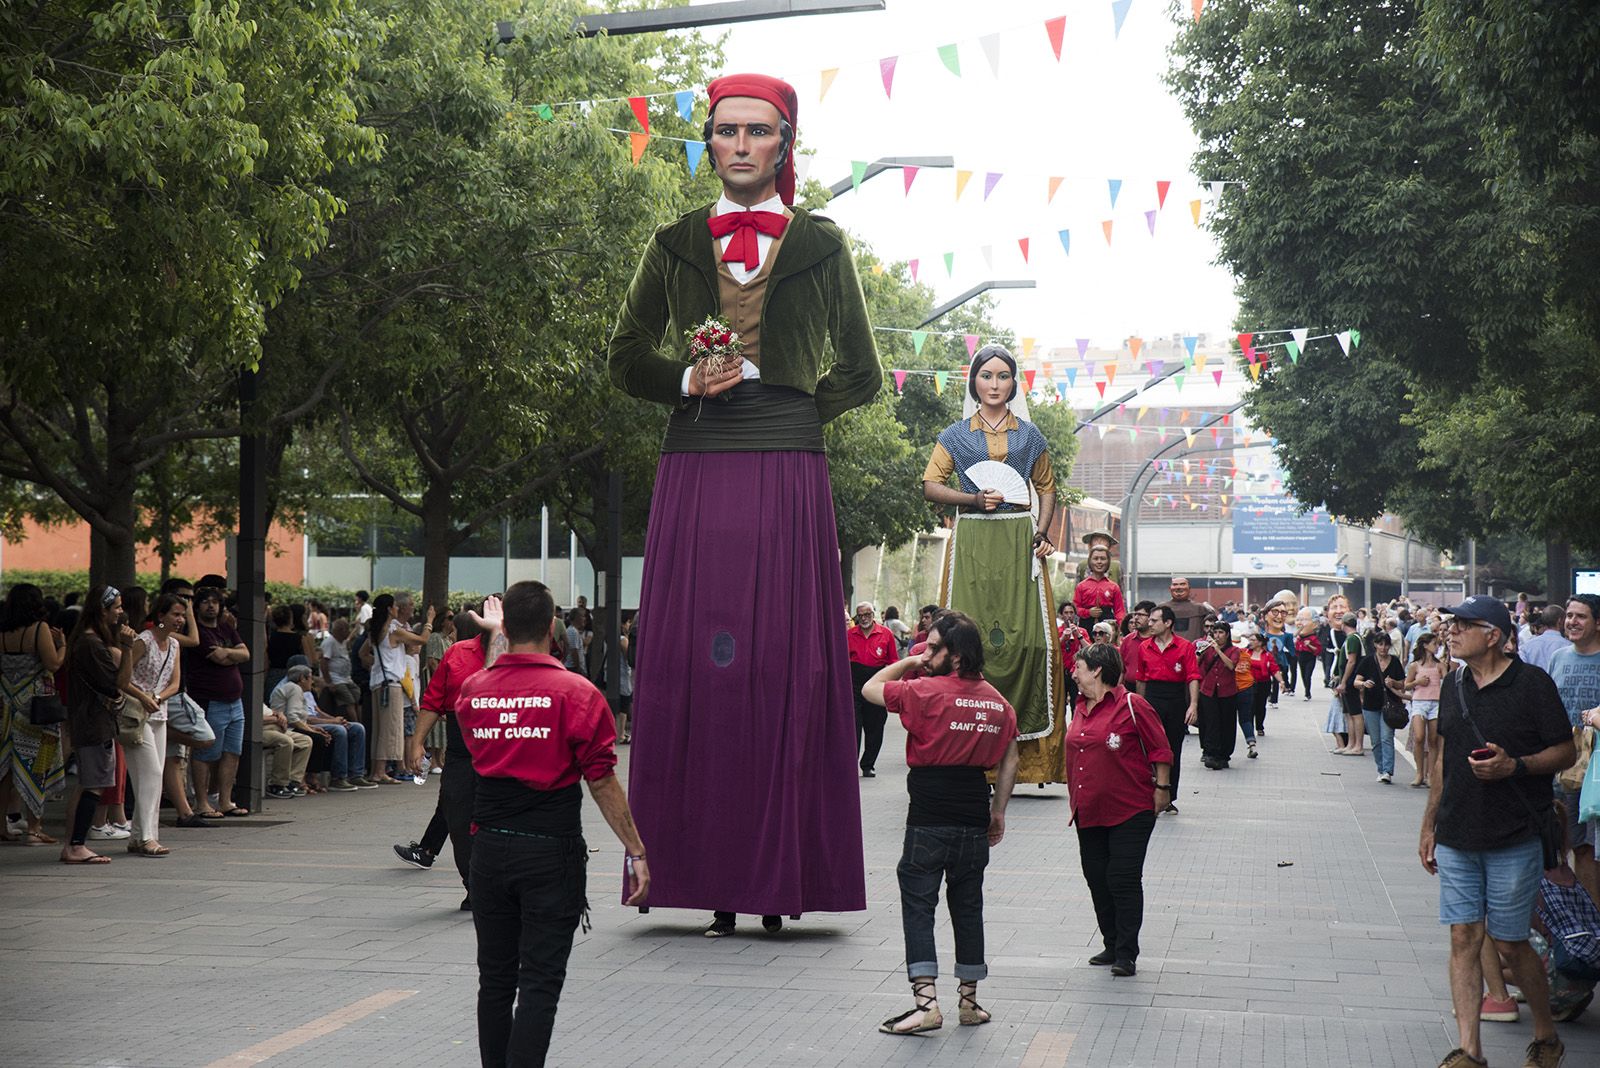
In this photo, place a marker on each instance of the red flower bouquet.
(714, 343)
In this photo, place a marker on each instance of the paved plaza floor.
(1288, 923)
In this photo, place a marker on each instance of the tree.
(160, 184)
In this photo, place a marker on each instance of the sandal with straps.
(972, 1014)
(927, 1004)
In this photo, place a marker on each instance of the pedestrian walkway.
(1288, 923)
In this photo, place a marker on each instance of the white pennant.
(1344, 341)
(988, 255)
(1216, 190)
(802, 168)
(1299, 336)
(991, 50)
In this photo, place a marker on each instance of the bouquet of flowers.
(714, 343)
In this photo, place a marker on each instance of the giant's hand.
(703, 383)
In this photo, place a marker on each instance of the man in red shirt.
(872, 646)
(1137, 633)
(534, 729)
(1169, 678)
(958, 727)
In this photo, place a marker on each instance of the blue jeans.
(956, 855)
(347, 750)
(1382, 741)
(227, 721)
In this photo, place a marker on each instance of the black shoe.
(1102, 958)
(719, 928)
(193, 819)
(868, 773)
(415, 855)
(282, 793)
(466, 903)
(1123, 967)
(772, 924)
(1171, 808)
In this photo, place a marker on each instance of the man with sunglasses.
(1504, 735)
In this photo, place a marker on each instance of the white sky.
(1101, 112)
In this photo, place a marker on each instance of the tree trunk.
(847, 573)
(1557, 571)
(438, 539)
(113, 551)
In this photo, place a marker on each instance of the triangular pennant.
(1156, 367)
(1114, 185)
(1244, 341)
(1101, 386)
(1300, 333)
(1102, 427)
(858, 173)
(949, 264)
(919, 338)
(914, 264)
(1249, 353)
(939, 380)
(1066, 241)
(1028, 377)
(1294, 351)
(546, 112)
(1088, 368)
(1217, 374)
(1022, 243)
(962, 178)
(1111, 373)
(1150, 221)
(1200, 362)
(638, 142)
(1106, 228)
(1161, 193)
(991, 51)
(1083, 347)
(899, 381)
(1055, 183)
(987, 251)
(1355, 338)
(1119, 12)
(910, 175)
(684, 98)
(1027, 351)
(951, 56)
(1194, 211)
(1195, 6)
(886, 68)
(827, 81)
(1216, 190)
(1072, 376)
(1189, 342)
(972, 344)
(641, 111)
(1343, 338)
(694, 150)
(1255, 371)
(1056, 28)
(990, 180)
(879, 269)
(1134, 345)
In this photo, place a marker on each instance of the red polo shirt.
(1111, 750)
(951, 721)
(461, 661)
(1130, 656)
(1175, 663)
(876, 648)
(1099, 593)
(1216, 678)
(531, 720)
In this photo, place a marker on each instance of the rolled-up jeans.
(1382, 741)
(957, 856)
(348, 749)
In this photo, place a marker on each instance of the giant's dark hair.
(983, 356)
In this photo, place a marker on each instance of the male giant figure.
(742, 773)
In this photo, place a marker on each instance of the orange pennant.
(1196, 6)
(638, 141)
(1106, 226)
(1055, 183)
(1134, 345)
(1111, 373)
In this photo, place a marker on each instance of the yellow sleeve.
(1044, 476)
(941, 465)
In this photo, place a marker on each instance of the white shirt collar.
(773, 203)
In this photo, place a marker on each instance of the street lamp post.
(615, 24)
(886, 163)
(982, 287)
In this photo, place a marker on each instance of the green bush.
(57, 584)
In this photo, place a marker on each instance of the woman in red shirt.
(1263, 666)
(1219, 697)
(1118, 775)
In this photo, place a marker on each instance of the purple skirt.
(742, 777)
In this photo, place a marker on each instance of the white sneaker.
(108, 833)
(15, 827)
(1386, 778)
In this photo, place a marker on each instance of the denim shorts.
(1497, 885)
(227, 720)
(1428, 710)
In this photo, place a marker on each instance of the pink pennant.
(910, 175)
(1022, 243)
(899, 381)
(1218, 376)
(1056, 28)
(641, 111)
(886, 68)
(972, 345)
(1161, 193)
(914, 265)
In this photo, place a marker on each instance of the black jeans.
(870, 718)
(957, 855)
(1219, 727)
(1308, 668)
(1171, 700)
(453, 814)
(1286, 665)
(1113, 866)
(528, 895)
(1254, 717)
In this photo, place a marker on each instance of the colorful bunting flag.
(1115, 186)
(1300, 334)
(1106, 228)
(940, 378)
(1027, 351)
(685, 101)
(990, 180)
(1244, 341)
(949, 264)
(1216, 190)
(1055, 183)
(1083, 347)
(991, 50)
(1111, 373)
(919, 338)
(886, 69)
(1134, 345)
(1066, 241)
(962, 178)
(1056, 29)
(1150, 221)
(1355, 337)
(1101, 386)
(694, 150)
(899, 381)
(1178, 379)
(827, 81)
(1343, 338)
(951, 57)
(641, 111)
(1194, 211)
(1294, 351)
(1217, 375)
(1195, 6)
(1161, 193)
(1119, 12)
(1022, 243)
(1255, 371)
(914, 265)
(910, 175)
(972, 345)
(858, 173)
(1028, 377)
(638, 142)
(1189, 342)
(1072, 377)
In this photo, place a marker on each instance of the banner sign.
(1271, 536)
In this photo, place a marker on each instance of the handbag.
(1571, 780)
(47, 709)
(1552, 835)
(131, 718)
(1395, 713)
(186, 722)
(1589, 797)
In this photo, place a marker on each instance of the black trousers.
(870, 718)
(1219, 727)
(528, 895)
(1171, 700)
(452, 816)
(1113, 866)
(1308, 668)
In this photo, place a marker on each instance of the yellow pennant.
(962, 178)
(827, 81)
(1027, 349)
(1194, 211)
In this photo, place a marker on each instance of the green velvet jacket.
(813, 297)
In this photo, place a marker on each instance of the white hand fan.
(992, 474)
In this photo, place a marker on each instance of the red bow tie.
(744, 225)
